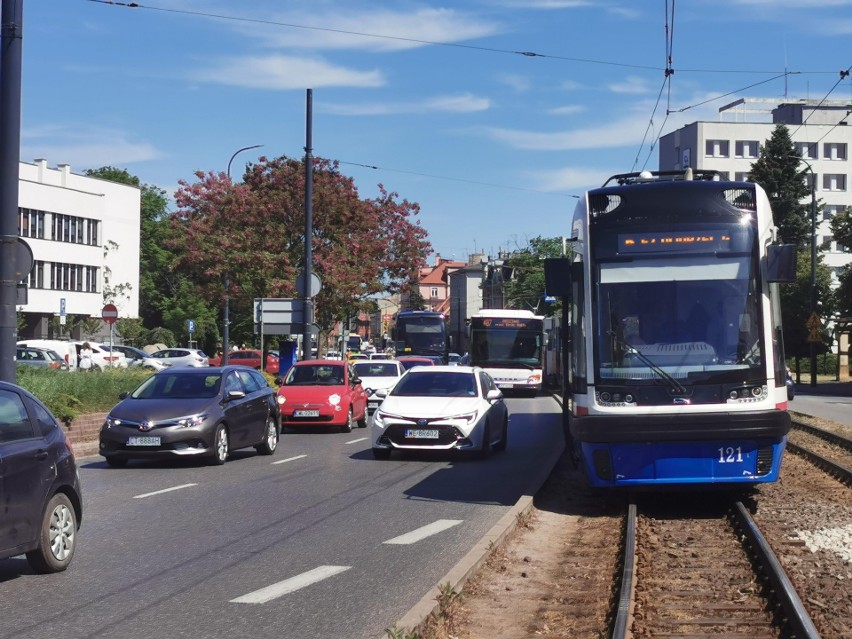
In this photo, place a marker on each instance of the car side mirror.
(355, 381)
(124, 394)
(381, 392)
(278, 381)
(234, 394)
(494, 395)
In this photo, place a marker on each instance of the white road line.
(289, 459)
(165, 490)
(355, 441)
(426, 531)
(290, 585)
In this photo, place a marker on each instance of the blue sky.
(437, 95)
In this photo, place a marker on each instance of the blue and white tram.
(675, 369)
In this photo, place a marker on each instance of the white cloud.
(286, 72)
(357, 29)
(515, 81)
(85, 146)
(631, 84)
(569, 109)
(463, 103)
(568, 179)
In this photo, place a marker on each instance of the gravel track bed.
(820, 446)
(807, 518)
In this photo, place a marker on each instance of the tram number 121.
(730, 455)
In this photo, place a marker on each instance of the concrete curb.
(473, 560)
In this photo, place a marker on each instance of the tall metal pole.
(226, 281)
(10, 152)
(309, 228)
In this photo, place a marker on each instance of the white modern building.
(819, 129)
(84, 236)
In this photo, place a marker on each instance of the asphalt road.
(319, 540)
(834, 407)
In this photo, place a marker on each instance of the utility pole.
(309, 229)
(10, 151)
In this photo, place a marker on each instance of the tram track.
(709, 574)
(825, 449)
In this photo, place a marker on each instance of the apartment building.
(84, 236)
(819, 129)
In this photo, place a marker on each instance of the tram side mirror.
(781, 263)
(557, 277)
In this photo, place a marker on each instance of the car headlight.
(191, 421)
(112, 421)
(380, 417)
(281, 399)
(467, 418)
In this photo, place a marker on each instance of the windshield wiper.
(632, 350)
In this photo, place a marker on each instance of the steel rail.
(621, 626)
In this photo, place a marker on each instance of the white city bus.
(509, 345)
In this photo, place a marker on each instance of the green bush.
(71, 393)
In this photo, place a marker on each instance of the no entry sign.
(109, 313)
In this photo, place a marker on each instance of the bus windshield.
(507, 347)
(692, 318)
(421, 335)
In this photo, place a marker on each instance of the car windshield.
(313, 374)
(377, 369)
(437, 384)
(179, 385)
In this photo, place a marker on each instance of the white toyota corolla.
(441, 408)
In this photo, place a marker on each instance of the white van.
(66, 350)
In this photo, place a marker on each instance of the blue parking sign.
(190, 325)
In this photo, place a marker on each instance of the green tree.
(781, 173)
(525, 289)
(252, 233)
(841, 228)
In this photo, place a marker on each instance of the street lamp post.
(226, 282)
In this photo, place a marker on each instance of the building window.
(75, 230)
(811, 180)
(830, 210)
(741, 176)
(717, 148)
(434, 291)
(724, 176)
(834, 151)
(747, 148)
(31, 223)
(834, 182)
(808, 150)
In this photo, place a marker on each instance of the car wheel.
(381, 453)
(116, 462)
(485, 449)
(220, 445)
(350, 418)
(270, 438)
(504, 440)
(362, 423)
(57, 537)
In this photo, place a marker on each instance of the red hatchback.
(322, 392)
(251, 358)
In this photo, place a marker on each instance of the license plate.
(505, 385)
(143, 441)
(422, 434)
(305, 413)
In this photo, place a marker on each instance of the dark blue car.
(39, 484)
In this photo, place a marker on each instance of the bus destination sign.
(674, 241)
(513, 323)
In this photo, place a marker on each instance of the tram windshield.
(694, 318)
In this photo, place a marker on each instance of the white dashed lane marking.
(355, 441)
(289, 459)
(426, 531)
(165, 490)
(290, 585)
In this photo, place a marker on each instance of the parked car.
(251, 358)
(410, 361)
(193, 412)
(441, 408)
(66, 350)
(454, 359)
(135, 356)
(40, 357)
(182, 357)
(102, 358)
(322, 392)
(40, 492)
(377, 374)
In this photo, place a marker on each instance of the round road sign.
(109, 313)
